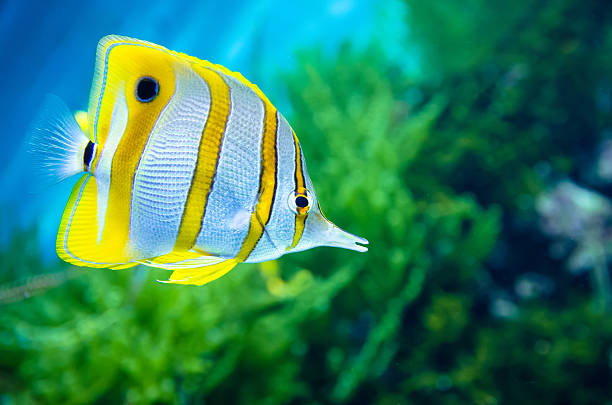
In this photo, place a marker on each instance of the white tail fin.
(56, 144)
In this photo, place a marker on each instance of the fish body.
(185, 166)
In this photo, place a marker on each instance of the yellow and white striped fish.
(187, 166)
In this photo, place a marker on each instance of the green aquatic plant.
(460, 300)
(331, 328)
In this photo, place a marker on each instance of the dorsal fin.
(104, 45)
(220, 68)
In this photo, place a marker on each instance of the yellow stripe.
(299, 174)
(141, 121)
(208, 157)
(300, 218)
(117, 223)
(267, 184)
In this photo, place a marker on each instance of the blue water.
(49, 47)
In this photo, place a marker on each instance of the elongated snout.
(338, 237)
(328, 234)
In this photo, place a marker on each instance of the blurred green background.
(483, 182)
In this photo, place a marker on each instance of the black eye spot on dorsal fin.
(147, 89)
(88, 154)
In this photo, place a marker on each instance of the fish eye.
(300, 202)
(147, 89)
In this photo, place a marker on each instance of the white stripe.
(234, 192)
(163, 177)
(102, 171)
(278, 234)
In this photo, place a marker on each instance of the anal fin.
(77, 239)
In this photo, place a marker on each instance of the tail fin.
(56, 144)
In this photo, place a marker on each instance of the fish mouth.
(338, 237)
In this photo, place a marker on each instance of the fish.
(185, 166)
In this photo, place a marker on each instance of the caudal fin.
(56, 145)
